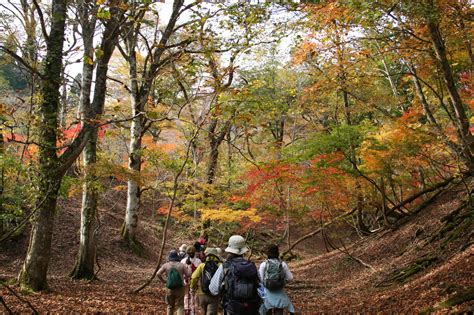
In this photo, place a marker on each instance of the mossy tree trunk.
(35, 267)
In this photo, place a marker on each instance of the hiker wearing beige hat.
(237, 280)
(200, 280)
(182, 251)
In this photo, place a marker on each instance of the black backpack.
(274, 275)
(210, 268)
(240, 285)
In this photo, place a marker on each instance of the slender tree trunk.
(462, 122)
(213, 158)
(215, 140)
(129, 229)
(278, 132)
(84, 267)
(139, 97)
(422, 98)
(85, 262)
(130, 224)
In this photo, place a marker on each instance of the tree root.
(458, 298)
(400, 276)
(457, 224)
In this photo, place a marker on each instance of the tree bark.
(85, 262)
(462, 121)
(215, 140)
(84, 267)
(35, 267)
(129, 229)
(139, 97)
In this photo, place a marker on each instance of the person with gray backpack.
(274, 274)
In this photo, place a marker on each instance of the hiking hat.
(237, 245)
(190, 250)
(183, 247)
(211, 251)
(173, 256)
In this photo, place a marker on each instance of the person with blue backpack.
(201, 279)
(176, 273)
(274, 274)
(236, 280)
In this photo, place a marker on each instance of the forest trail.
(328, 283)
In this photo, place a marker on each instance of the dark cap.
(173, 256)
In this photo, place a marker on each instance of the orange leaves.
(270, 173)
(304, 52)
(301, 188)
(402, 148)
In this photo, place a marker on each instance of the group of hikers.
(196, 277)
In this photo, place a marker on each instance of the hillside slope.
(409, 269)
(329, 283)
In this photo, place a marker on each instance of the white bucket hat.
(211, 251)
(237, 245)
(183, 248)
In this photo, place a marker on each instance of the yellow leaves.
(88, 60)
(98, 53)
(226, 215)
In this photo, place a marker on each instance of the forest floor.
(367, 276)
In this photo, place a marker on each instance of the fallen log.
(304, 237)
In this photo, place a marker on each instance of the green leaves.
(340, 138)
(103, 14)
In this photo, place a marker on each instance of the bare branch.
(123, 84)
(41, 18)
(21, 60)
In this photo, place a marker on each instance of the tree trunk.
(130, 225)
(215, 140)
(462, 122)
(35, 267)
(421, 96)
(277, 129)
(213, 158)
(139, 97)
(84, 268)
(84, 265)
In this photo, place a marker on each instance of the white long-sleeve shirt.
(216, 281)
(288, 274)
